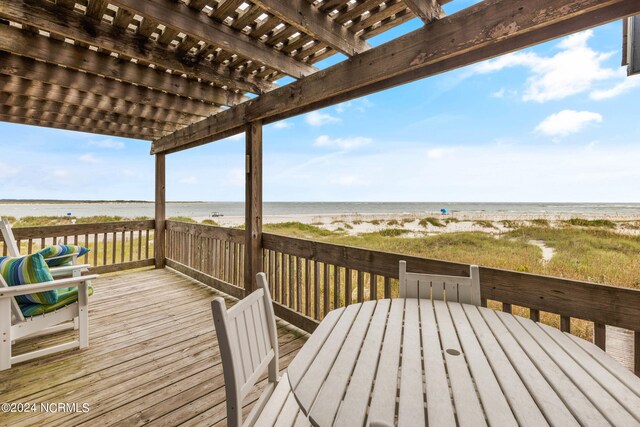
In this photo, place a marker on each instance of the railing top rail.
(222, 233)
(79, 229)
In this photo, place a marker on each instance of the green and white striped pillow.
(27, 270)
(60, 251)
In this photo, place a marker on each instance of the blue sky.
(551, 123)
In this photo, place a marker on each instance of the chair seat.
(65, 297)
(282, 408)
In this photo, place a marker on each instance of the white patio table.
(416, 361)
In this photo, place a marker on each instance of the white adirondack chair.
(249, 346)
(461, 289)
(14, 326)
(74, 270)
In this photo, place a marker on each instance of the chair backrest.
(15, 308)
(432, 286)
(248, 345)
(9, 240)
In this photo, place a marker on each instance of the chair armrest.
(13, 291)
(68, 269)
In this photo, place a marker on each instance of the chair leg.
(5, 333)
(83, 314)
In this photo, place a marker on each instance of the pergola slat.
(64, 95)
(45, 16)
(198, 25)
(487, 29)
(306, 18)
(42, 109)
(78, 128)
(76, 57)
(31, 69)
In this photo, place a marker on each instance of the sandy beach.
(493, 223)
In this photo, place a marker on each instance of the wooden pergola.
(183, 73)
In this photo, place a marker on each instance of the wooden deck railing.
(309, 278)
(212, 255)
(114, 245)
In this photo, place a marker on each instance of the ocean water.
(205, 209)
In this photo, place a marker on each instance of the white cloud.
(626, 85)
(107, 143)
(316, 118)
(499, 93)
(282, 124)
(7, 171)
(89, 158)
(237, 137)
(573, 70)
(567, 122)
(60, 173)
(435, 153)
(342, 143)
(189, 180)
(349, 181)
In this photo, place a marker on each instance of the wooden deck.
(153, 359)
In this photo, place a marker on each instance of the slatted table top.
(414, 362)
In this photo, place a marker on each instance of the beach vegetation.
(424, 222)
(297, 229)
(540, 222)
(484, 224)
(356, 222)
(579, 222)
(182, 219)
(510, 223)
(348, 226)
(375, 222)
(393, 222)
(210, 222)
(451, 219)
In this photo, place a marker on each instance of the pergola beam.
(483, 31)
(427, 10)
(199, 26)
(37, 90)
(30, 69)
(308, 19)
(46, 16)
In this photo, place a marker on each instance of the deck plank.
(157, 363)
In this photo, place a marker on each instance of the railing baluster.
(307, 287)
(327, 291)
(600, 335)
(122, 246)
(336, 287)
(360, 278)
(299, 284)
(373, 287)
(387, 287)
(534, 315)
(565, 323)
(347, 287)
(291, 281)
(506, 307)
(636, 352)
(316, 289)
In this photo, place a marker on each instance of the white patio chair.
(461, 289)
(73, 270)
(249, 346)
(15, 326)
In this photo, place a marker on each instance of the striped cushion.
(27, 270)
(59, 251)
(65, 297)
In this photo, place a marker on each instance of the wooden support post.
(253, 206)
(158, 240)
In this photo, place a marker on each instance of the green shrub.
(424, 222)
